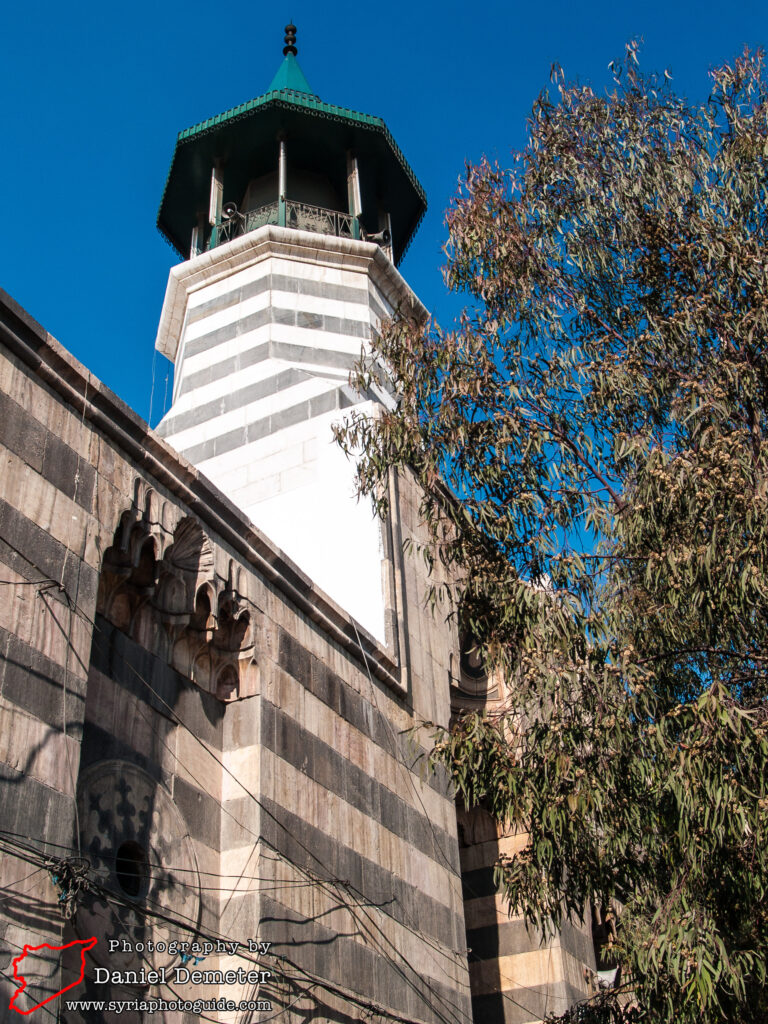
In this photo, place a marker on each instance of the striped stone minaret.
(264, 331)
(294, 214)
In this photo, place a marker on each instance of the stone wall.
(517, 976)
(240, 745)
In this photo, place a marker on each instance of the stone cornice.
(252, 248)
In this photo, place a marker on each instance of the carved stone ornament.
(159, 585)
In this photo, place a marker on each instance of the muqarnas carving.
(158, 584)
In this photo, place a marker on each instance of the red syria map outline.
(85, 943)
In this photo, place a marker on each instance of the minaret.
(291, 215)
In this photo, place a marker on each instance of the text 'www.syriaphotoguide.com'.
(161, 1005)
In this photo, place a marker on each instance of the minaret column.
(354, 199)
(282, 180)
(197, 245)
(216, 201)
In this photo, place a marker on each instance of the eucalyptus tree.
(599, 414)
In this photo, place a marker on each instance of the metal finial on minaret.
(290, 40)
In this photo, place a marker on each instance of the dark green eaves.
(250, 130)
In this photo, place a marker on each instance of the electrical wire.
(16, 895)
(152, 389)
(324, 882)
(165, 867)
(15, 985)
(72, 604)
(175, 717)
(192, 927)
(427, 819)
(229, 898)
(150, 723)
(41, 595)
(320, 881)
(395, 754)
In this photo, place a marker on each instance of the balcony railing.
(242, 223)
(301, 216)
(304, 217)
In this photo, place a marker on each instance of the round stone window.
(473, 673)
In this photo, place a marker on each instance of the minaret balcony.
(300, 216)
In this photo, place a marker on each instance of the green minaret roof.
(290, 76)
(243, 142)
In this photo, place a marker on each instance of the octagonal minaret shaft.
(294, 214)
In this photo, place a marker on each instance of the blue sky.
(93, 96)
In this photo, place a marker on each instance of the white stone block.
(228, 315)
(307, 338)
(324, 306)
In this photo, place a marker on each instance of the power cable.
(321, 982)
(175, 717)
(322, 882)
(72, 607)
(312, 854)
(15, 895)
(167, 867)
(192, 925)
(426, 818)
(15, 985)
(188, 924)
(152, 389)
